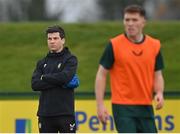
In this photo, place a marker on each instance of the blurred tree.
(113, 9)
(168, 9)
(80, 11)
(22, 10)
(11, 10)
(37, 10)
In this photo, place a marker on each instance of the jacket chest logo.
(45, 65)
(59, 65)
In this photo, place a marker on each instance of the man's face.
(55, 43)
(134, 24)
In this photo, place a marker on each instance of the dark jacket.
(51, 74)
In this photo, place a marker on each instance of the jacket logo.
(45, 65)
(59, 65)
(40, 125)
(138, 53)
(72, 126)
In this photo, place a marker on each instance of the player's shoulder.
(41, 61)
(152, 39)
(117, 37)
(69, 55)
(153, 43)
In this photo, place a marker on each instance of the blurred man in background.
(51, 77)
(134, 62)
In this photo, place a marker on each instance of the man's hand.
(103, 114)
(159, 99)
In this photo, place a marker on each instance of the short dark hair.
(135, 9)
(54, 29)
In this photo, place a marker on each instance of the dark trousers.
(134, 119)
(55, 124)
(135, 125)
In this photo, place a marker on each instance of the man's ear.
(63, 40)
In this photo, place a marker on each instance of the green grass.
(22, 44)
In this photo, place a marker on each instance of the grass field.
(22, 44)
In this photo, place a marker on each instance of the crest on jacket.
(45, 65)
(59, 65)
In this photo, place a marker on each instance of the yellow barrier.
(20, 116)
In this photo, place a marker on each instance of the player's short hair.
(54, 29)
(135, 9)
